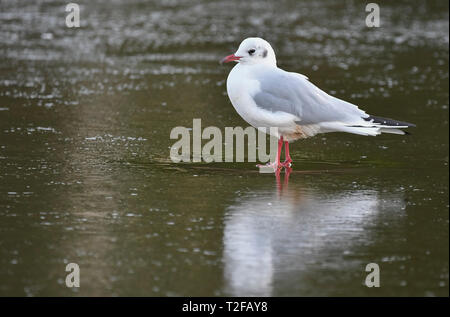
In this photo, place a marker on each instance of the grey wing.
(295, 94)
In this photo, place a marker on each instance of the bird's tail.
(370, 126)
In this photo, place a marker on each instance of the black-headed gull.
(266, 96)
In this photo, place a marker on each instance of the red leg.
(286, 149)
(277, 163)
(288, 161)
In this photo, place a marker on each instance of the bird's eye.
(252, 51)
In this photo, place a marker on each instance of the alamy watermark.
(373, 278)
(373, 18)
(73, 278)
(219, 149)
(73, 18)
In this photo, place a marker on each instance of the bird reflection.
(284, 185)
(285, 233)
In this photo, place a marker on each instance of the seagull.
(266, 96)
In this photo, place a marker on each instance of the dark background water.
(85, 173)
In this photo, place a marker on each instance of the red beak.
(229, 58)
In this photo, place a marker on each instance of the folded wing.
(295, 94)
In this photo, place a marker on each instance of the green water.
(85, 173)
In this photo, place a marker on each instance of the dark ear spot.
(265, 53)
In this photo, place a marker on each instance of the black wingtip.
(389, 122)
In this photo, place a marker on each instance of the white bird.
(268, 97)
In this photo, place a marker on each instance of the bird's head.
(253, 50)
